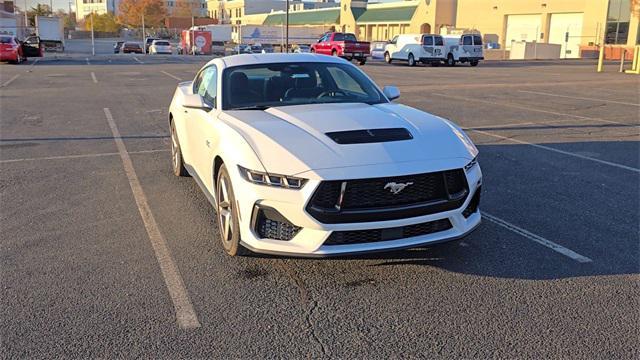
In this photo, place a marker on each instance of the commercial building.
(198, 7)
(99, 7)
(579, 26)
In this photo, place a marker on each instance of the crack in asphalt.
(309, 303)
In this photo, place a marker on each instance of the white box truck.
(51, 32)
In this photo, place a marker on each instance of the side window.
(439, 41)
(428, 41)
(207, 86)
(477, 40)
(324, 38)
(466, 40)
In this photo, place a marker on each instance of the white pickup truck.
(464, 48)
(413, 48)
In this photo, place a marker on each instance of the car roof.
(253, 59)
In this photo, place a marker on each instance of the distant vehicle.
(195, 42)
(463, 48)
(267, 49)
(344, 45)
(219, 33)
(413, 48)
(256, 49)
(242, 49)
(377, 49)
(11, 50)
(32, 47)
(217, 47)
(302, 49)
(51, 32)
(160, 47)
(147, 43)
(117, 46)
(131, 47)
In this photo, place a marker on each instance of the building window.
(618, 22)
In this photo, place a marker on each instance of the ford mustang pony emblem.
(395, 187)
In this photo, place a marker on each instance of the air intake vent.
(370, 136)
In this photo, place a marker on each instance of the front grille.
(269, 224)
(424, 194)
(376, 235)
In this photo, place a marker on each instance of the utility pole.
(26, 20)
(93, 44)
(143, 41)
(286, 35)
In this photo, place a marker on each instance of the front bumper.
(310, 239)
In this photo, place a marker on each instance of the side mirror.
(391, 92)
(195, 101)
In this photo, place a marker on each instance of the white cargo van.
(463, 48)
(425, 48)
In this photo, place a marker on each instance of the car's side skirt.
(194, 175)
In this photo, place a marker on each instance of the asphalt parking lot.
(551, 273)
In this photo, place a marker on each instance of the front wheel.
(411, 61)
(387, 58)
(177, 162)
(228, 225)
(362, 61)
(474, 62)
(334, 53)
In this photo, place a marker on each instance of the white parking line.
(79, 156)
(530, 109)
(138, 60)
(558, 151)
(185, 314)
(170, 75)
(33, 65)
(8, 82)
(93, 76)
(578, 97)
(538, 239)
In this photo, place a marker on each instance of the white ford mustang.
(303, 154)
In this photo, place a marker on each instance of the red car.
(344, 45)
(11, 50)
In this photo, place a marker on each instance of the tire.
(362, 61)
(474, 62)
(387, 58)
(411, 61)
(177, 161)
(227, 214)
(313, 51)
(334, 53)
(450, 61)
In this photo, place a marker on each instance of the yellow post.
(601, 58)
(635, 65)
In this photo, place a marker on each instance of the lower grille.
(376, 235)
(270, 224)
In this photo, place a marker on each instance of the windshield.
(281, 84)
(6, 40)
(161, 43)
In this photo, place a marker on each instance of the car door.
(31, 47)
(392, 47)
(322, 44)
(427, 46)
(200, 127)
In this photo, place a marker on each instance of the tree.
(103, 22)
(186, 8)
(131, 11)
(68, 19)
(635, 7)
(38, 10)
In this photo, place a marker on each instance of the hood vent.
(369, 136)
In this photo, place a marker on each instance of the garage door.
(522, 28)
(566, 23)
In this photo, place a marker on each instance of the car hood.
(290, 140)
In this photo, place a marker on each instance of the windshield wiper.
(253, 107)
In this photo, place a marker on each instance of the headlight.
(263, 178)
(471, 164)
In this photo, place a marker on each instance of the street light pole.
(93, 44)
(26, 20)
(286, 30)
(144, 46)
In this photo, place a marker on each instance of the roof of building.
(306, 17)
(386, 14)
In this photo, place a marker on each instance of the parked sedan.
(302, 49)
(11, 50)
(131, 47)
(160, 47)
(242, 49)
(304, 155)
